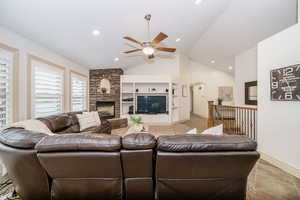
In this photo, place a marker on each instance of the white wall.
(166, 66)
(245, 71)
(278, 122)
(212, 80)
(26, 47)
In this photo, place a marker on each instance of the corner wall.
(278, 122)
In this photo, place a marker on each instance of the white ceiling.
(215, 29)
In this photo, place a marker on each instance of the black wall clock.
(285, 83)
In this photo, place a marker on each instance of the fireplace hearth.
(106, 109)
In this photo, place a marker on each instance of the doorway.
(199, 102)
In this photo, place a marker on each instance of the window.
(78, 92)
(6, 76)
(47, 88)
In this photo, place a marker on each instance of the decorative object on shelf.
(137, 123)
(173, 91)
(128, 99)
(103, 90)
(251, 93)
(167, 90)
(130, 110)
(220, 101)
(226, 93)
(136, 90)
(285, 83)
(184, 91)
(105, 86)
(153, 89)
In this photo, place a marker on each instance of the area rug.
(7, 189)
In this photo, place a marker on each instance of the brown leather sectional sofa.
(98, 165)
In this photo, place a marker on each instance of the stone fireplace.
(106, 108)
(107, 103)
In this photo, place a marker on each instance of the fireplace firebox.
(106, 109)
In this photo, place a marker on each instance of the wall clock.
(285, 83)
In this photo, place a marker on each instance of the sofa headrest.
(79, 142)
(138, 141)
(57, 123)
(20, 138)
(205, 143)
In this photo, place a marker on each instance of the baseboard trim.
(282, 165)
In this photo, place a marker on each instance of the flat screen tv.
(151, 104)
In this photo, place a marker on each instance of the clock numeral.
(288, 96)
(274, 85)
(288, 71)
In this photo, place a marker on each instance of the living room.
(149, 100)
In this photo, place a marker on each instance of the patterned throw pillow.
(88, 119)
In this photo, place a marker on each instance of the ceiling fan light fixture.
(148, 50)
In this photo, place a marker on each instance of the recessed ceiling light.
(178, 40)
(96, 32)
(213, 61)
(230, 67)
(116, 59)
(197, 2)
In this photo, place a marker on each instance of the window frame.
(31, 60)
(86, 89)
(14, 115)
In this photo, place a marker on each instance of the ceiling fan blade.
(160, 37)
(166, 49)
(131, 51)
(151, 56)
(133, 40)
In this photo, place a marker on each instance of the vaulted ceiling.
(212, 30)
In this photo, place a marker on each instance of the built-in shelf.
(147, 85)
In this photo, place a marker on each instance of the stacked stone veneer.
(114, 76)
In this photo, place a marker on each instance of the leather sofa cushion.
(205, 143)
(57, 123)
(138, 141)
(20, 138)
(79, 142)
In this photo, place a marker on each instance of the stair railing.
(236, 120)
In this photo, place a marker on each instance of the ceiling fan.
(148, 48)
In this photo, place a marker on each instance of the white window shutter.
(78, 93)
(47, 89)
(6, 72)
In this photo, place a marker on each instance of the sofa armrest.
(20, 138)
(117, 123)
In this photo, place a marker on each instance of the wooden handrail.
(239, 107)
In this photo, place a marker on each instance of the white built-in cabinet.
(135, 85)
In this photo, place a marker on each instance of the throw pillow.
(216, 130)
(192, 132)
(32, 125)
(88, 119)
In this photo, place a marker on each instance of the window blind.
(6, 63)
(47, 89)
(79, 89)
